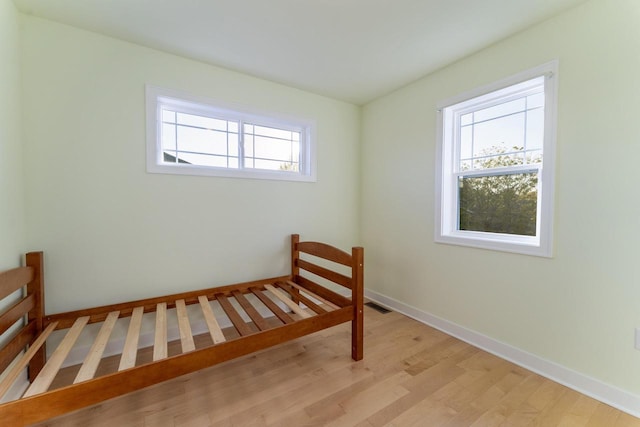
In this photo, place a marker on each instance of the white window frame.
(446, 191)
(157, 97)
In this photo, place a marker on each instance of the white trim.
(445, 226)
(155, 96)
(606, 393)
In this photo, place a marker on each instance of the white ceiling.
(353, 50)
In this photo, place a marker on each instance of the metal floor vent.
(377, 307)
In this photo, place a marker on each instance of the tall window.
(192, 136)
(495, 165)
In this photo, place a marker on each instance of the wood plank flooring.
(412, 375)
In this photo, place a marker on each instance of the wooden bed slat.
(301, 298)
(24, 360)
(325, 293)
(214, 328)
(251, 311)
(240, 325)
(284, 317)
(91, 362)
(312, 295)
(160, 342)
(186, 336)
(98, 314)
(282, 297)
(325, 273)
(16, 312)
(130, 351)
(14, 279)
(51, 368)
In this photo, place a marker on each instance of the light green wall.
(580, 308)
(12, 239)
(113, 232)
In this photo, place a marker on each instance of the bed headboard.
(30, 305)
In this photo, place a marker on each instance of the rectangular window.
(192, 136)
(496, 149)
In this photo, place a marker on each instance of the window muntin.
(198, 140)
(271, 148)
(191, 136)
(495, 165)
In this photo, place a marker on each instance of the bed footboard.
(26, 285)
(355, 283)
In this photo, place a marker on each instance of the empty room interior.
(482, 154)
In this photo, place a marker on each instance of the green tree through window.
(505, 203)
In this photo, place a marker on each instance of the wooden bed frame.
(26, 350)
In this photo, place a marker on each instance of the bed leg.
(357, 298)
(295, 270)
(36, 287)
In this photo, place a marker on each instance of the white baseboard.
(606, 393)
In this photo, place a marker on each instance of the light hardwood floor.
(411, 375)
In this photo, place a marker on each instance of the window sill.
(497, 242)
(192, 170)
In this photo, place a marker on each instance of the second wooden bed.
(297, 305)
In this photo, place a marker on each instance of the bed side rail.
(31, 305)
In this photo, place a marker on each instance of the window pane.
(248, 145)
(275, 149)
(202, 141)
(271, 165)
(499, 110)
(168, 136)
(534, 156)
(466, 146)
(203, 159)
(202, 122)
(535, 129)
(271, 148)
(499, 161)
(498, 135)
(295, 152)
(499, 204)
(536, 100)
(168, 116)
(272, 132)
(171, 157)
(232, 144)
